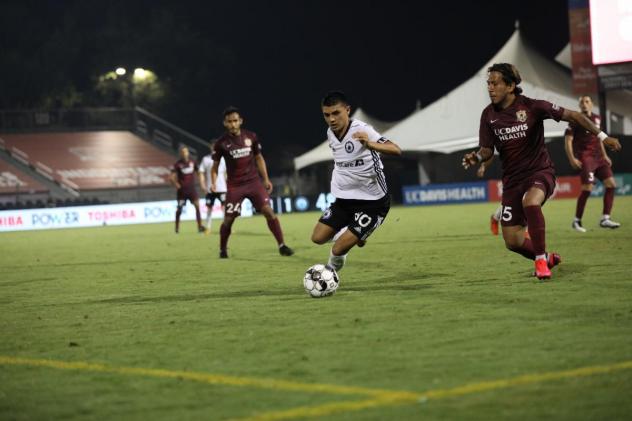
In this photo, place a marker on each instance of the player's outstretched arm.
(263, 170)
(580, 119)
(202, 181)
(472, 158)
(388, 148)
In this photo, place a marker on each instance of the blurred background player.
(357, 181)
(245, 168)
(494, 220)
(220, 185)
(183, 178)
(587, 154)
(513, 124)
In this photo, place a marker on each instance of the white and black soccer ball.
(321, 281)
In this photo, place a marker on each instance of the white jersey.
(358, 171)
(220, 182)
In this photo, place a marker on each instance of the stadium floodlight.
(140, 73)
(120, 71)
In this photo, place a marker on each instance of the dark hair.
(584, 96)
(333, 98)
(509, 73)
(230, 110)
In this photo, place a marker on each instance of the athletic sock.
(535, 221)
(275, 228)
(337, 262)
(209, 220)
(525, 250)
(178, 213)
(608, 200)
(224, 233)
(581, 204)
(198, 217)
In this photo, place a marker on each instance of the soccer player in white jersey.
(220, 185)
(357, 180)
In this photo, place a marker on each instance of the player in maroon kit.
(183, 176)
(586, 153)
(245, 168)
(513, 124)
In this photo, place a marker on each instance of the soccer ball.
(321, 281)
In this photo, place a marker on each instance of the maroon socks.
(535, 222)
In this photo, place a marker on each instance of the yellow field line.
(401, 398)
(379, 397)
(261, 383)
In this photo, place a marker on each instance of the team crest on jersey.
(521, 115)
(349, 147)
(248, 142)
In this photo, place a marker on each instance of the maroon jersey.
(585, 144)
(239, 152)
(186, 171)
(517, 132)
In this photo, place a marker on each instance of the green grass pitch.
(434, 301)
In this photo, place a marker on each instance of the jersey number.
(363, 219)
(507, 213)
(230, 208)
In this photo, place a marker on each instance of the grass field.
(434, 319)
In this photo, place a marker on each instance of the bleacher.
(113, 165)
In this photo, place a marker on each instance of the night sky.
(272, 59)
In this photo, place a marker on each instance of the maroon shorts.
(254, 191)
(513, 214)
(594, 168)
(187, 194)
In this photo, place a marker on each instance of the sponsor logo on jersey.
(350, 164)
(513, 132)
(521, 115)
(240, 153)
(349, 146)
(188, 169)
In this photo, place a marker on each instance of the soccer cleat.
(201, 229)
(361, 243)
(577, 226)
(285, 250)
(542, 270)
(609, 223)
(493, 225)
(207, 231)
(553, 259)
(223, 254)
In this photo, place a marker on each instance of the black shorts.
(361, 217)
(210, 198)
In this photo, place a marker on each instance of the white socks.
(337, 262)
(208, 221)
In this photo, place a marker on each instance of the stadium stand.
(13, 181)
(115, 165)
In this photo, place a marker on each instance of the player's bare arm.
(263, 170)
(214, 170)
(568, 146)
(605, 155)
(174, 180)
(474, 157)
(580, 119)
(202, 180)
(480, 173)
(388, 148)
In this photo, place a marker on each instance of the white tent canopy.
(452, 122)
(322, 153)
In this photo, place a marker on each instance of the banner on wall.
(437, 194)
(92, 216)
